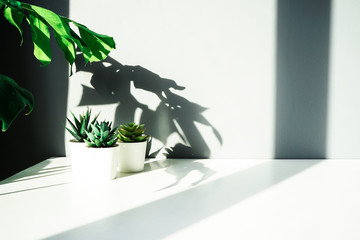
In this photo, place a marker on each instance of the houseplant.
(78, 128)
(99, 156)
(93, 46)
(132, 143)
(81, 125)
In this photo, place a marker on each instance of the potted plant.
(78, 128)
(132, 143)
(99, 156)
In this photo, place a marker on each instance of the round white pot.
(91, 164)
(132, 156)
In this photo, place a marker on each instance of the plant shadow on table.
(182, 169)
(112, 83)
(180, 173)
(166, 216)
(179, 169)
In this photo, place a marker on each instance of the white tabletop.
(187, 199)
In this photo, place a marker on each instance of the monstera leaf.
(13, 99)
(93, 46)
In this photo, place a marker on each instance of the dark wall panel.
(40, 135)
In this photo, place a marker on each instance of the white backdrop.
(221, 52)
(344, 98)
(224, 54)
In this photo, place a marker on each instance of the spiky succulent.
(81, 125)
(101, 135)
(132, 132)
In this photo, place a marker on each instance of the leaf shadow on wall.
(111, 82)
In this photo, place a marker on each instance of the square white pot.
(132, 156)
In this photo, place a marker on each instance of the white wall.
(223, 52)
(228, 55)
(344, 97)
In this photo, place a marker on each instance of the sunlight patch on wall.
(344, 100)
(209, 66)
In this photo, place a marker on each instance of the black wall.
(40, 135)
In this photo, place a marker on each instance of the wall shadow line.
(303, 40)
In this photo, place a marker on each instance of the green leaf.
(104, 126)
(41, 39)
(13, 99)
(16, 5)
(89, 143)
(50, 17)
(113, 131)
(138, 132)
(94, 46)
(61, 30)
(100, 45)
(125, 139)
(140, 138)
(68, 47)
(129, 128)
(125, 133)
(106, 134)
(76, 136)
(91, 136)
(97, 115)
(96, 130)
(111, 142)
(87, 116)
(97, 142)
(83, 128)
(15, 18)
(78, 124)
(75, 129)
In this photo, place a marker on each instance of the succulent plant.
(81, 125)
(101, 135)
(132, 132)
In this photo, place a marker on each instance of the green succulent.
(101, 135)
(132, 132)
(81, 125)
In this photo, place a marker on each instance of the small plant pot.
(132, 156)
(90, 164)
(75, 148)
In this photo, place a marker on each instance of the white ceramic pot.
(132, 156)
(91, 164)
(75, 148)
